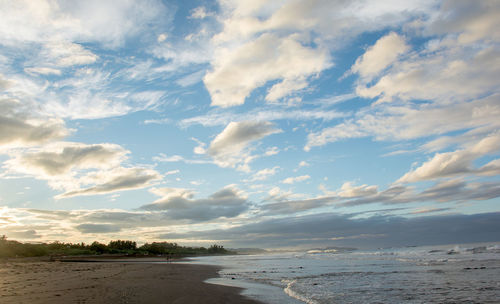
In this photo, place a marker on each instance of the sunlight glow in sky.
(250, 123)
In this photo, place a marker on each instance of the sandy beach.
(112, 282)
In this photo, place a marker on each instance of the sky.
(250, 123)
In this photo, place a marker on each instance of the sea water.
(437, 274)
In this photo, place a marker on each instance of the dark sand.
(115, 282)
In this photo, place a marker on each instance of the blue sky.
(198, 121)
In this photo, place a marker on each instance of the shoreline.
(117, 282)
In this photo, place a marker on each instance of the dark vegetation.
(10, 248)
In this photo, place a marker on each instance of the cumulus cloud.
(237, 72)
(456, 162)
(179, 204)
(19, 127)
(349, 190)
(231, 147)
(450, 68)
(443, 77)
(383, 53)
(62, 157)
(261, 43)
(81, 169)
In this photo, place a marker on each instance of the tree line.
(11, 248)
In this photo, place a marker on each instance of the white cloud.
(264, 173)
(292, 180)
(65, 54)
(20, 126)
(349, 190)
(379, 56)
(332, 134)
(277, 194)
(90, 94)
(303, 164)
(449, 69)
(63, 157)
(200, 13)
(200, 149)
(43, 71)
(490, 169)
(455, 75)
(164, 158)
(402, 122)
(169, 193)
(80, 169)
(162, 37)
(472, 21)
(447, 75)
(109, 23)
(237, 72)
(178, 204)
(328, 19)
(457, 162)
(272, 151)
(289, 41)
(217, 118)
(231, 148)
(172, 172)
(47, 38)
(178, 158)
(117, 179)
(285, 88)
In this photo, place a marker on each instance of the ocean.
(432, 274)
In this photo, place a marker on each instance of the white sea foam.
(289, 291)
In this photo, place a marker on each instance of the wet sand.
(112, 282)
